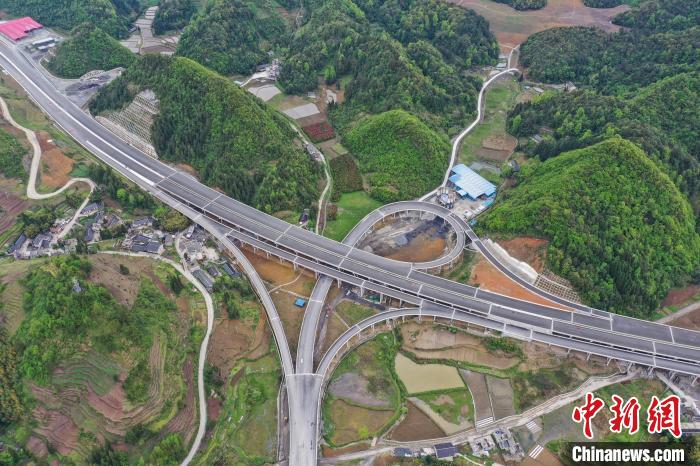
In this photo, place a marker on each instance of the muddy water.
(426, 377)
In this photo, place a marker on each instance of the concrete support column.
(608, 363)
(403, 318)
(568, 351)
(695, 379)
(339, 282)
(588, 357)
(296, 266)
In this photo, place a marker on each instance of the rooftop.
(16, 29)
(470, 183)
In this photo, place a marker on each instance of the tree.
(175, 283)
(123, 269)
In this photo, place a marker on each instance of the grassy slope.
(352, 207)
(88, 48)
(620, 230)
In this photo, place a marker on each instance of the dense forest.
(662, 119)
(238, 143)
(173, 15)
(411, 55)
(233, 36)
(402, 156)
(112, 16)
(11, 154)
(661, 41)
(603, 3)
(620, 230)
(524, 4)
(88, 48)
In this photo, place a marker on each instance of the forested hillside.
(233, 36)
(410, 55)
(403, 157)
(87, 49)
(619, 229)
(112, 16)
(611, 63)
(172, 15)
(11, 154)
(233, 140)
(643, 84)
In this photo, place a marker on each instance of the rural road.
(34, 169)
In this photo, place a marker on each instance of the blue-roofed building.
(445, 451)
(300, 302)
(469, 183)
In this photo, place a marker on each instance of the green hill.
(662, 118)
(112, 16)
(234, 141)
(401, 155)
(88, 48)
(233, 36)
(173, 14)
(620, 230)
(387, 54)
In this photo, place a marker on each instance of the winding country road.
(34, 170)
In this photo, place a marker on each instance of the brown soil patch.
(545, 458)
(690, 320)
(57, 428)
(490, 278)
(230, 340)
(55, 165)
(37, 447)
(420, 249)
(334, 329)
(185, 420)
(290, 315)
(10, 206)
(415, 426)
(493, 154)
(512, 27)
(124, 288)
(213, 408)
(527, 249)
(500, 142)
(679, 296)
(434, 342)
(272, 270)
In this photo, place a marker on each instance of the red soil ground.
(488, 277)
(55, 165)
(512, 27)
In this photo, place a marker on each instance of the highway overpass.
(584, 329)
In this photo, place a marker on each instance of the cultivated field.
(512, 27)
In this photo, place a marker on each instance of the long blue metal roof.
(470, 182)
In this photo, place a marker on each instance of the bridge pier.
(608, 363)
(695, 379)
(588, 357)
(296, 266)
(568, 351)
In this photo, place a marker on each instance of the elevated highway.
(584, 329)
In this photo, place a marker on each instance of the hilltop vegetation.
(524, 4)
(662, 118)
(619, 229)
(238, 143)
(402, 156)
(408, 55)
(233, 36)
(112, 16)
(87, 49)
(173, 14)
(661, 42)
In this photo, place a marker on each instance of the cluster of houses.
(143, 237)
(501, 438)
(99, 223)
